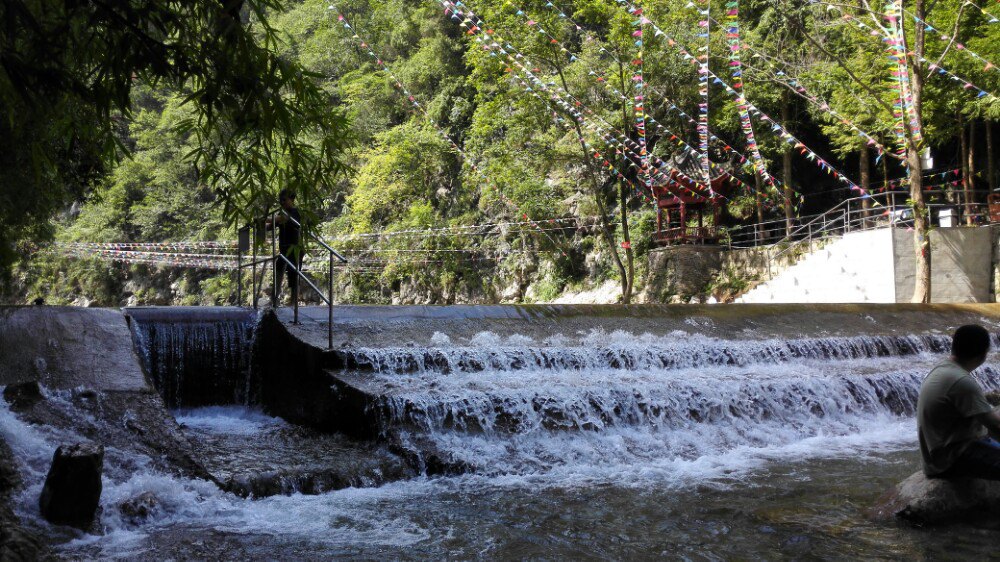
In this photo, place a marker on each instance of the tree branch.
(954, 35)
(841, 63)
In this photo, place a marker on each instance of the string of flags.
(176, 246)
(649, 119)
(882, 33)
(621, 146)
(904, 110)
(703, 73)
(625, 146)
(208, 261)
(703, 107)
(736, 67)
(992, 19)
(461, 229)
(591, 151)
(646, 119)
(398, 84)
(641, 20)
(821, 104)
(639, 103)
(959, 46)
(491, 42)
(904, 182)
(775, 126)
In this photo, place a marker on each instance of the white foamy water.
(383, 516)
(620, 408)
(597, 349)
(232, 420)
(597, 410)
(347, 517)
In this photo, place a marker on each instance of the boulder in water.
(139, 508)
(18, 544)
(72, 489)
(22, 395)
(924, 500)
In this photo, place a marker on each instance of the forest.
(504, 151)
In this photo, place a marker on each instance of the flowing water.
(597, 445)
(196, 359)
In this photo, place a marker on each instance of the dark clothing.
(282, 268)
(288, 231)
(288, 246)
(948, 409)
(981, 459)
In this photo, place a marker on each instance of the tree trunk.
(921, 230)
(762, 234)
(602, 208)
(786, 162)
(991, 172)
(629, 254)
(970, 186)
(963, 161)
(623, 203)
(864, 158)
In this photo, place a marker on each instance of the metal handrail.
(316, 238)
(866, 222)
(245, 234)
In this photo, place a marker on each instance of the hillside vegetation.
(467, 183)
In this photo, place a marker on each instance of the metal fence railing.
(885, 209)
(254, 237)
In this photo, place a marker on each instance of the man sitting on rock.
(954, 420)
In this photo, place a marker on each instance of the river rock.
(72, 490)
(925, 500)
(18, 544)
(139, 508)
(22, 395)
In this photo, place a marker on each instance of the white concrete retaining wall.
(857, 268)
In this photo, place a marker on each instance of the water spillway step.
(620, 350)
(196, 356)
(516, 422)
(600, 400)
(618, 380)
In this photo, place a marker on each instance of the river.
(601, 445)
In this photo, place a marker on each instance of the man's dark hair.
(286, 194)
(970, 341)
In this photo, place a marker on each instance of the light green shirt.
(950, 399)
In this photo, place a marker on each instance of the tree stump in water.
(72, 489)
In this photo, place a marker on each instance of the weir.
(449, 379)
(196, 356)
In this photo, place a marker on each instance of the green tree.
(259, 121)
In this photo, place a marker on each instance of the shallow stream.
(590, 447)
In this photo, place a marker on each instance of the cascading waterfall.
(511, 405)
(196, 358)
(621, 350)
(614, 443)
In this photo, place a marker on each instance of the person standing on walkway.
(957, 427)
(289, 227)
